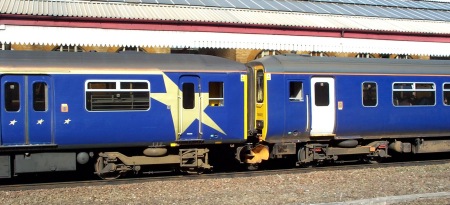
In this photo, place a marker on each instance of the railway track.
(92, 181)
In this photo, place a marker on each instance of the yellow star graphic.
(172, 101)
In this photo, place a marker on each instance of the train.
(120, 113)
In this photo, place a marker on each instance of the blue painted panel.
(286, 118)
(354, 119)
(13, 121)
(80, 127)
(386, 119)
(22, 124)
(40, 115)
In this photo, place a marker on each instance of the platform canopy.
(378, 26)
(182, 39)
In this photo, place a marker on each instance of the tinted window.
(414, 94)
(295, 91)
(40, 97)
(322, 93)
(260, 86)
(12, 100)
(216, 94)
(117, 95)
(369, 91)
(188, 96)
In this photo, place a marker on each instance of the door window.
(259, 86)
(12, 93)
(322, 93)
(188, 96)
(40, 96)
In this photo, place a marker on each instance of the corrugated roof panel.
(316, 7)
(237, 4)
(15, 7)
(137, 13)
(82, 10)
(420, 15)
(280, 5)
(61, 9)
(96, 10)
(168, 2)
(27, 8)
(196, 3)
(302, 8)
(141, 11)
(210, 3)
(69, 9)
(442, 15)
(366, 9)
(341, 9)
(115, 11)
(55, 8)
(179, 2)
(183, 13)
(39, 8)
(223, 15)
(292, 6)
(268, 6)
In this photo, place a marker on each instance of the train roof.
(291, 63)
(133, 62)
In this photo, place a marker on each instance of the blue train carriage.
(121, 112)
(317, 109)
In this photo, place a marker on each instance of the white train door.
(323, 106)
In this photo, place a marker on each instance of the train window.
(40, 96)
(295, 91)
(188, 96)
(133, 85)
(414, 94)
(12, 99)
(216, 93)
(117, 95)
(259, 86)
(369, 92)
(322, 94)
(446, 93)
(101, 85)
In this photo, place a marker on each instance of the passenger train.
(117, 113)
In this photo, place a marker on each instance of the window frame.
(116, 89)
(219, 99)
(443, 93)
(376, 94)
(300, 94)
(260, 86)
(9, 99)
(322, 100)
(45, 97)
(413, 90)
(188, 95)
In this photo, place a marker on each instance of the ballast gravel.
(428, 184)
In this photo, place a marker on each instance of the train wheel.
(106, 170)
